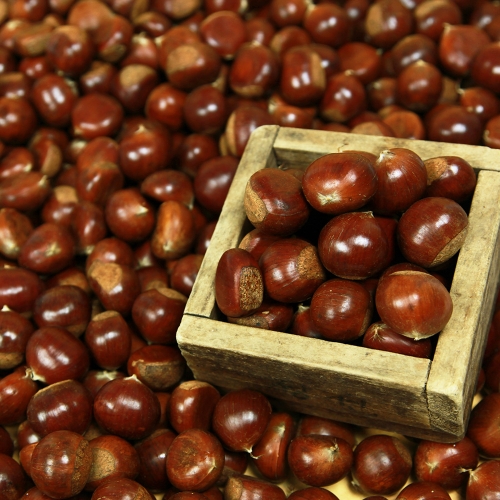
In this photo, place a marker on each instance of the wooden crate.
(412, 396)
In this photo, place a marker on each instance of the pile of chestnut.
(121, 126)
(351, 238)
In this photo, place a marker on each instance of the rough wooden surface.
(371, 388)
(301, 147)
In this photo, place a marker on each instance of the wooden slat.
(301, 147)
(228, 231)
(453, 376)
(378, 385)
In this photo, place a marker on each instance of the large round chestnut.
(157, 313)
(127, 408)
(195, 460)
(339, 182)
(319, 460)
(61, 463)
(353, 246)
(65, 306)
(274, 202)
(450, 177)
(402, 179)
(413, 303)
(65, 405)
(447, 464)
(239, 285)
(382, 464)
(192, 404)
(432, 231)
(240, 419)
(54, 354)
(341, 310)
(292, 270)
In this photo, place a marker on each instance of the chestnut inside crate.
(412, 396)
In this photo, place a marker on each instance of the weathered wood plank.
(301, 147)
(379, 385)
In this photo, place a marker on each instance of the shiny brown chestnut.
(339, 182)
(271, 315)
(15, 330)
(159, 367)
(54, 354)
(157, 313)
(450, 177)
(319, 460)
(175, 232)
(432, 231)
(353, 246)
(267, 193)
(192, 404)
(292, 270)
(270, 453)
(65, 405)
(413, 303)
(132, 417)
(195, 460)
(340, 310)
(402, 179)
(60, 464)
(239, 286)
(65, 306)
(447, 464)
(109, 338)
(381, 465)
(240, 418)
(16, 390)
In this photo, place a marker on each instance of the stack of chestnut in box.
(354, 245)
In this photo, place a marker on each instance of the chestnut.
(61, 463)
(413, 303)
(291, 270)
(381, 464)
(133, 416)
(319, 460)
(192, 404)
(194, 460)
(353, 246)
(339, 182)
(239, 285)
(240, 419)
(274, 202)
(340, 310)
(65, 405)
(432, 231)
